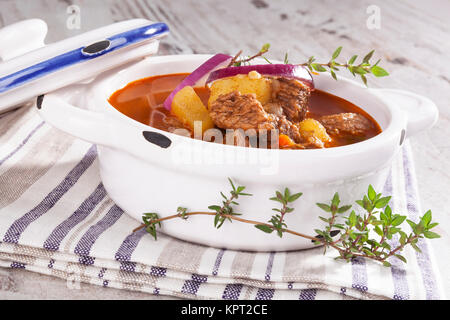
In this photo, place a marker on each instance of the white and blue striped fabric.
(57, 219)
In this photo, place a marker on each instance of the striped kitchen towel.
(56, 219)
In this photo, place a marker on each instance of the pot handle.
(98, 128)
(422, 113)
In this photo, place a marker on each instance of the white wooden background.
(413, 41)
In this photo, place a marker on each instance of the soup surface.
(142, 100)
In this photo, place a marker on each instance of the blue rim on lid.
(82, 54)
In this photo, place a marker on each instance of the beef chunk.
(274, 108)
(243, 111)
(237, 111)
(292, 95)
(351, 124)
(288, 128)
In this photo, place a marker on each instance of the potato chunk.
(262, 87)
(188, 108)
(313, 128)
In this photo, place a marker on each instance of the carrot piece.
(284, 141)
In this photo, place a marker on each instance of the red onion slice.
(198, 75)
(280, 70)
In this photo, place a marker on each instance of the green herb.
(182, 212)
(277, 220)
(151, 222)
(286, 60)
(360, 233)
(226, 210)
(245, 60)
(366, 234)
(361, 70)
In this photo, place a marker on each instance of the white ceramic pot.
(148, 170)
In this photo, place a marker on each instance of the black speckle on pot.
(39, 101)
(334, 232)
(157, 138)
(97, 47)
(402, 136)
(317, 237)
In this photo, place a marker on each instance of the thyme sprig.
(362, 69)
(366, 233)
(277, 220)
(358, 234)
(226, 211)
(238, 60)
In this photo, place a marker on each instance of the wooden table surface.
(413, 42)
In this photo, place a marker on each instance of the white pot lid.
(30, 68)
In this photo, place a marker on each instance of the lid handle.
(22, 37)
